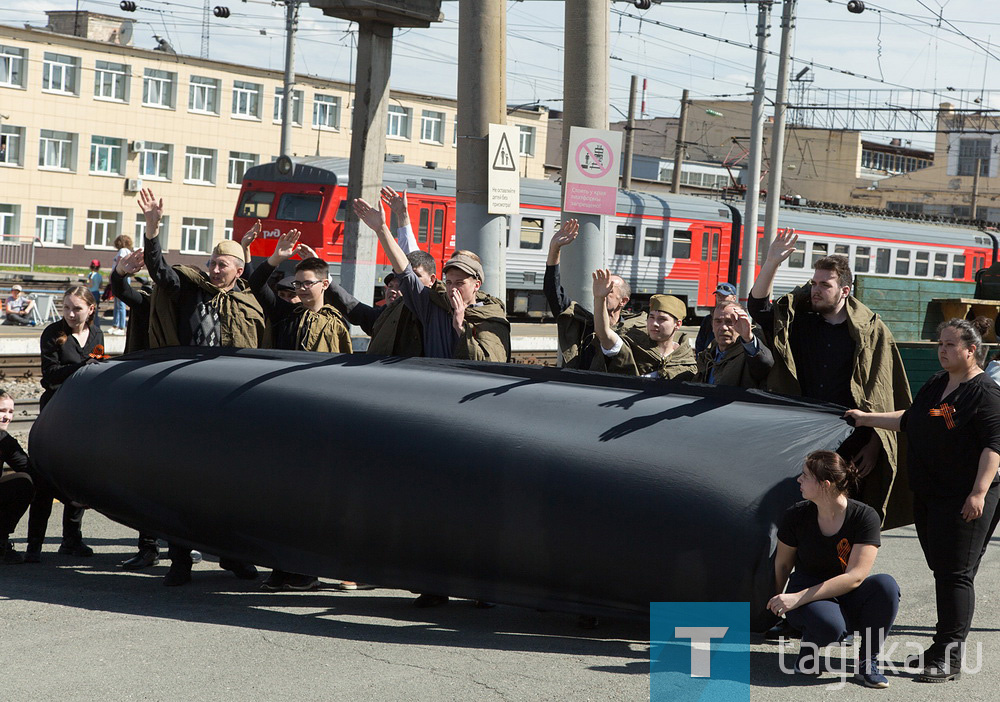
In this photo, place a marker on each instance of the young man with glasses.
(310, 325)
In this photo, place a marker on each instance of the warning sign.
(592, 171)
(504, 180)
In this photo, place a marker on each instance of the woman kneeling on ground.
(831, 541)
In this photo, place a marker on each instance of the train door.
(711, 264)
(433, 230)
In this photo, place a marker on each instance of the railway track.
(20, 366)
(25, 412)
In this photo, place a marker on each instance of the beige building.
(88, 120)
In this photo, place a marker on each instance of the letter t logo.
(701, 646)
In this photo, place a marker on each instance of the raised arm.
(127, 265)
(399, 206)
(781, 248)
(274, 306)
(603, 285)
(551, 285)
(249, 238)
(162, 274)
(375, 220)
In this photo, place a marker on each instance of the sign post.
(504, 180)
(593, 166)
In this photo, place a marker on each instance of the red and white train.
(676, 244)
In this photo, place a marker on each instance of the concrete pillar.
(371, 105)
(778, 128)
(585, 104)
(482, 97)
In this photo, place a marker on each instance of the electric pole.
(287, 104)
(482, 91)
(629, 136)
(778, 128)
(585, 104)
(748, 270)
(679, 151)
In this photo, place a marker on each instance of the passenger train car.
(661, 243)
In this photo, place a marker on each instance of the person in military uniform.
(658, 350)
(737, 355)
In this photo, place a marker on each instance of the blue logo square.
(699, 651)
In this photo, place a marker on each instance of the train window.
(531, 233)
(652, 244)
(257, 204)
(341, 214)
(704, 246)
(299, 207)
(682, 245)
(842, 250)
(862, 259)
(923, 258)
(424, 225)
(798, 257)
(438, 226)
(958, 267)
(940, 265)
(882, 260)
(625, 240)
(819, 251)
(715, 245)
(902, 262)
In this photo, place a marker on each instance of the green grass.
(66, 270)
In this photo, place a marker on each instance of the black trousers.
(41, 510)
(953, 549)
(16, 491)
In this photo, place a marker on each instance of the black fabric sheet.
(515, 484)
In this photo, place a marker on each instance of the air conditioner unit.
(137, 146)
(133, 185)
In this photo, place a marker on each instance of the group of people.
(817, 341)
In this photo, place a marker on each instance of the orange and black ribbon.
(947, 411)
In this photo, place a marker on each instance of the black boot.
(33, 552)
(9, 555)
(72, 541)
(180, 567)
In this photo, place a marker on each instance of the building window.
(102, 228)
(432, 127)
(111, 81)
(246, 99)
(154, 161)
(106, 155)
(625, 240)
(239, 162)
(398, 124)
(227, 231)
(279, 101)
(158, 88)
(652, 244)
(526, 145)
(326, 111)
(454, 131)
(60, 74)
(11, 141)
(56, 150)
(971, 151)
(199, 166)
(681, 247)
(8, 222)
(204, 95)
(196, 236)
(140, 229)
(52, 225)
(12, 63)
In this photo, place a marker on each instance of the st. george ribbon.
(515, 484)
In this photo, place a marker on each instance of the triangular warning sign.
(504, 159)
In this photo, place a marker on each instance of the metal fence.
(17, 252)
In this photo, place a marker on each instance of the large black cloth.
(562, 489)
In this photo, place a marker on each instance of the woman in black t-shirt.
(953, 436)
(66, 346)
(832, 541)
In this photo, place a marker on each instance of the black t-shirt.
(946, 436)
(822, 556)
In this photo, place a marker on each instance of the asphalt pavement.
(82, 629)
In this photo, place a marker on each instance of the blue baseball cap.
(725, 289)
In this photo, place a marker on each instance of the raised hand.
(251, 235)
(395, 201)
(305, 251)
(371, 216)
(782, 247)
(127, 265)
(566, 235)
(287, 244)
(152, 210)
(603, 284)
(744, 326)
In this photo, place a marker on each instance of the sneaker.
(10, 556)
(350, 585)
(301, 583)
(75, 548)
(870, 674)
(275, 581)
